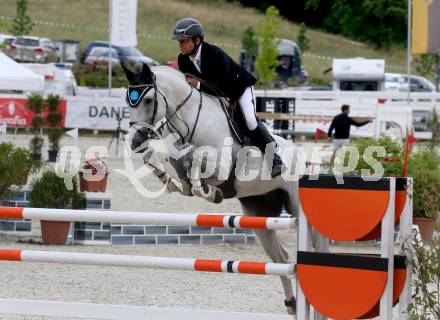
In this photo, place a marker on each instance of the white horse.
(162, 93)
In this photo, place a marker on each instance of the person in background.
(341, 124)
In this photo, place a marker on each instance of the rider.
(213, 65)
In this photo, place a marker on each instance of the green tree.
(267, 32)
(302, 40)
(22, 23)
(248, 42)
(381, 22)
(425, 64)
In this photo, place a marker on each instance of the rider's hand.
(329, 139)
(192, 82)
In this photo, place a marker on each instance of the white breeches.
(247, 103)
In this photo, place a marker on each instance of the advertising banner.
(15, 113)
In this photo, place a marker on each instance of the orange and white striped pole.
(148, 218)
(260, 268)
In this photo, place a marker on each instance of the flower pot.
(93, 182)
(426, 227)
(36, 156)
(52, 155)
(55, 232)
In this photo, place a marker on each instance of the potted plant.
(23, 164)
(53, 119)
(424, 168)
(36, 103)
(15, 165)
(425, 265)
(93, 175)
(49, 191)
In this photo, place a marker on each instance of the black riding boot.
(260, 137)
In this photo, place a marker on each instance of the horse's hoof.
(218, 196)
(291, 311)
(291, 306)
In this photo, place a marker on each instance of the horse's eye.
(148, 100)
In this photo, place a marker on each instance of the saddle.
(232, 111)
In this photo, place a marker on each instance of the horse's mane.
(169, 70)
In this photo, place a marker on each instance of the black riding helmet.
(188, 28)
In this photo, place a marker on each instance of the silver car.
(32, 49)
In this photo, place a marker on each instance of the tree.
(381, 22)
(22, 23)
(302, 40)
(249, 44)
(267, 32)
(425, 64)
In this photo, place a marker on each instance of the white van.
(358, 74)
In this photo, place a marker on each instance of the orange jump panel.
(341, 286)
(399, 280)
(344, 212)
(399, 205)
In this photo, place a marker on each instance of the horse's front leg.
(193, 164)
(173, 185)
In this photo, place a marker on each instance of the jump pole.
(148, 218)
(204, 265)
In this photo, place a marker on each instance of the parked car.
(32, 49)
(129, 54)
(6, 40)
(399, 82)
(98, 58)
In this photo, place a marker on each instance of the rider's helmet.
(188, 28)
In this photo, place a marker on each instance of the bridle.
(135, 95)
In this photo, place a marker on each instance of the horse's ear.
(147, 75)
(128, 73)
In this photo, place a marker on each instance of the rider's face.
(186, 46)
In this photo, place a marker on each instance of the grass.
(224, 22)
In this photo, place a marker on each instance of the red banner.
(15, 113)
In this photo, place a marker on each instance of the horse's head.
(147, 104)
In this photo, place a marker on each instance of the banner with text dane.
(96, 114)
(123, 23)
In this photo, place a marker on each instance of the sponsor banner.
(97, 113)
(15, 113)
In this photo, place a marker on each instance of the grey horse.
(161, 97)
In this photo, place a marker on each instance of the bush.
(99, 77)
(425, 265)
(49, 191)
(14, 164)
(393, 151)
(422, 166)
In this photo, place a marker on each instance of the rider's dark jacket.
(219, 69)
